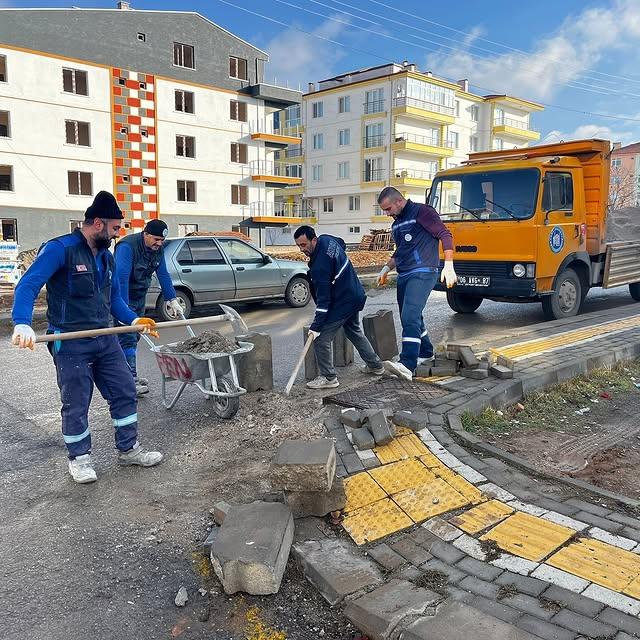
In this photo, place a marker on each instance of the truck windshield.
(491, 195)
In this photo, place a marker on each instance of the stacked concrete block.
(255, 369)
(414, 420)
(342, 354)
(503, 373)
(380, 330)
(363, 439)
(444, 366)
(351, 418)
(317, 503)
(377, 422)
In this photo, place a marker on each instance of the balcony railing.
(281, 210)
(373, 175)
(429, 141)
(377, 211)
(269, 168)
(416, 174)
(510, 122)
(267, 126)
(374, 106)
(289, 152)
(406, 101)
(376, 140)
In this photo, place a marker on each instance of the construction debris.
(207, 342)
(304, 465)
(377, 240)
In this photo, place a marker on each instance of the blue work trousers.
(79, 365)
(129, 341)
(413, 291)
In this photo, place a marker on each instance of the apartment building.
(624, 189)
(389, 124)
(165, 109)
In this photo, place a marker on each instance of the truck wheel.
(183, 299)
(566, 298)
(298, 292)
(463, 302)
(634, 290)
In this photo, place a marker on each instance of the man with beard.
(82, 293)
(138, 256)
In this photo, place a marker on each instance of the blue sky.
(581, 57)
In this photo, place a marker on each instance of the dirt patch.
(207, 342)
(507, 591)
(434, 580)
(491, 549)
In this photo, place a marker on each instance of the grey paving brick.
(573, 601)
(582, 625)
(620, 620)
(495, 609)
(454, 574)
(384, 555)
(479, 569)
(411, 551)
(624, 636)
(423, 537)
(544, 629)
(445, 552)
(352, 463)
(341, 470)
(530, 586)
(409, 573)
(628, 532)
(627, 521)
(459, 595)
(603, 523)
(530, 606)
(479, 587)
(588, 506)
(556, 505)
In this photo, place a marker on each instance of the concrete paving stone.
(545, 630)
(442, 529)
(529, 605)
(454, 574)
(379, 612)
(341, 470)
(304, 465)
(565, 521)
(583, 505)
(447, 458)
(492, 490)
(371, 463)
(479, 587)
(559, 506)
(441, 409)
(219, 511)
(603, 523)
(445, 552)
(255, 369)
(310, 528)
(470, 474)
(213, 534)
(560, 578)
(335, 569)
(421, 536)
(427, 437)
(574, 601)
(343, 445)
(495, 609)
(474, 374)
(459, 621)
(619, 620)
(627, 521)
(251, 550)
(317, 503)
(436, 419)
(409, 573)
(366, 454)
(411, 551)
(495, 463)
(501, 372)
(613, 599)
(379, 426)
(380, 330)
(582, 624)
(414, 420)
(628, 532)
(351, 418)
(479, 569)
(457, 450)
(617, 541)
(384, 555)
(515, 564)
(470, 546)
(621, 635)
(523, 584)
(531, 509)
(363, 439)
(352, 463)
(458, 595)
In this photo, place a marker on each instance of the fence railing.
(406, 101)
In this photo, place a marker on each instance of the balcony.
(282, 213)
(293, 155)
(380, 216)
(373, 143)
(411, 177)
(430, 145)
(515, 129)
(264, 131)
(290, 128)
(373, 107)
(273, 95)
(431, 111)
(373, 177)
(275, 174)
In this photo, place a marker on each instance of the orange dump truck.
(530, 225)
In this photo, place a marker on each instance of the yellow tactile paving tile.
(361, 490)
(402, 431)
(402, 475)
(528, 536)
(376, 521)
(430, 461)
(429, 500)
(633, 589)
(413, 445)
(481, 517)
(601, 563)
(471, 493)
(391, 452)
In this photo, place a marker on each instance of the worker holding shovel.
(82, 293)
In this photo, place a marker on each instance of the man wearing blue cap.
(138, 256)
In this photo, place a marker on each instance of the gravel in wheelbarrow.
(207, 342)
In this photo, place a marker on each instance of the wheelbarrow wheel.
(225, 408)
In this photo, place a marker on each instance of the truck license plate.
(474, 281)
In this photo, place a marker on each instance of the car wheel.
(634, 290)
(463, 302)
(298, 292)
(163, 311)
(566, 298)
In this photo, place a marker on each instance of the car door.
(256, 274)
(203, 268)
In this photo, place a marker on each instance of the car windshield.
(490, 195)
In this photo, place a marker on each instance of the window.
(124, 131)
(316, 172)
(183, 55)
(184, 101)
(457, 108)
(498, 144)
(77, 133)
(240, 252)
(373, 170)
(145, 180)
(475, 113)
(80, 183)
(473, 143)
(354, 203)
(6, 178)
(122, 81)
(184, 229)
(75, 81)
(498, 116)
(344, 137)
(453, 139)
(200, 252)
(558, 192)
(5, 124)
(186, 190)
(142, 36)
(343, 170)
(318, 109)
(354, 229)
(186, 146)
(3, 68)
(239, 194)
(238, 68)
(344, 104)
(238, 110)
(616, 163)
(239, 152)
(318, 141)
(144, 133)
(143, 85)
(126, 178)
(327, 205)
(373, 135)
(374, 101)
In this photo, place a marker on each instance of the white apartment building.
(389, 125)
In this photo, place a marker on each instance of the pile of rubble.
(377, 240)
(458, 359)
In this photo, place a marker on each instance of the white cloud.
(592, 131)
(577, 46)
(298, 58)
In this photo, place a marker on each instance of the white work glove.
(175, 308)
(314, 334)
(382, 276)
(448, 274)
(24, 337)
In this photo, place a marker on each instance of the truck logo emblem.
(556, 240)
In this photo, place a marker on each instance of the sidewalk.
(470, 536)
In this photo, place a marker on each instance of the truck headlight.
(519, 270)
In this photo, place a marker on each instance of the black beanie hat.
(156, 228)
(104, 205)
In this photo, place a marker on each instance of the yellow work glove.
(149, 326)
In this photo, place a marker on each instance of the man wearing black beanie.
(138, 256)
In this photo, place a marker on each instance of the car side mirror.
(266, 259)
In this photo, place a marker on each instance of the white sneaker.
(141, 389)
(143, 381)
(81, 469)
(398, 369)
(372, 371)
(426, 360)
(323, 383)
(138, 456)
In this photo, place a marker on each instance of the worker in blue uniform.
(82, 294)
(138, 257)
